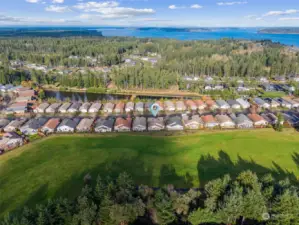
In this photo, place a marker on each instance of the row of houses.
(176, 122)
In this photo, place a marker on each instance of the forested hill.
(280, 30)
(80, 62)
(48, 32)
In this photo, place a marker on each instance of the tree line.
(224, 58)
(245, 200)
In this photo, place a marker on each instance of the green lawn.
(273, 94)
(56, 166)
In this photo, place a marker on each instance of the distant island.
(280, 30)
(191, 29)
(49, 32)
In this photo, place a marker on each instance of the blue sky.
(201, 13)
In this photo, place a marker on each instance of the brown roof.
(125, 122)
(27, 93)
(208, 119)
(52, 123)
(199, 102)
(255, 117)
(210, 102)
(190, 103)
(120, 105)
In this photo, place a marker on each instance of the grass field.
(56, 166)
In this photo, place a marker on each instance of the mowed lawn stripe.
(56, 166)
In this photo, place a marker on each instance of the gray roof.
(55, 106)
(155, 120)
(70, 122)
(75, 105)
(195, 118)
(174, 120)
(4, 122)
(221, 102)
(35, 123)
(139, 121)
(232, 102)
(85, 105)
(259, 101)
(43, 106)
(17, 122)
(139, 105)
(105, 122)
(65, 106)
(85, 123)
(241, 118)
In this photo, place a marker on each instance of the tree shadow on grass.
(295, 157)
(38, 195)
(210, 168)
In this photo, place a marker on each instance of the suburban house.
(211, 104)
(268, 87)
(148, 105)
(161, 105)
(15, 125)
(139, 107)
(209, 121)
(95, 107)
(68, 125)
(169, 106)
(174, 123)
(274, 118)
(21, 89)
(244, 104)
(53, 108)
(108, 107)
(234, 104)
(64, 107)
(122, 125)
(33, 125)
(85, 125)
(191, 105)
(222, 104)
(261, 103)
(284, 103)
(200, 104)
(24, 99)
(3, 123)
(180, 106)
(291, 119)
(42, 108)
(85, 107)
(193, 123)
(104, 125)
(27, 93)
(242, 121)
(129, 107)
(10, 141)
(119, 107)
(225, 122)
(74, 108)
(139, 124)
(257, 120)
(19, 108)
(155, 123)
(51, 125)
(272, 102)
(293, 103)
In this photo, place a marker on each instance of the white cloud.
(231, 3)
(32, 1)
(195, 6)
(172, 7)
(58, 9)
(58, 1)
(281, 13)
(93, 6)
(112, 10)
(250, 17)
(288, 18)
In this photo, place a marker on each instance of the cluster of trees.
(244, 200)
(223, 58)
